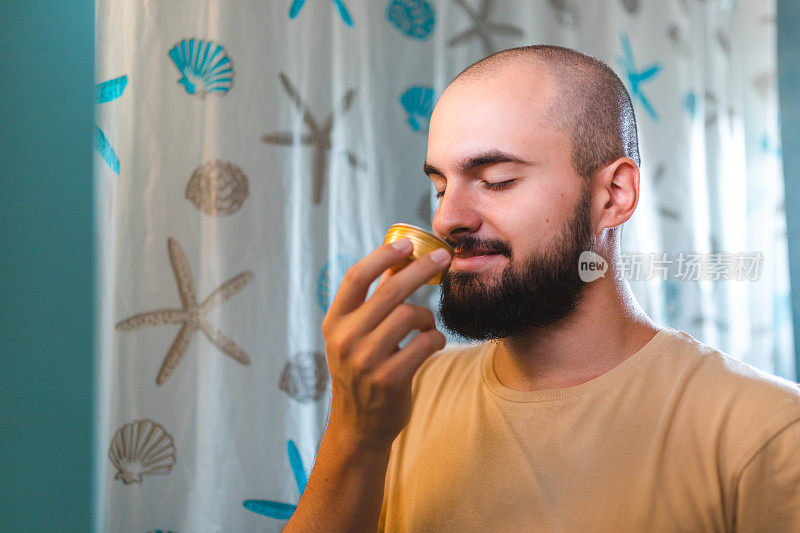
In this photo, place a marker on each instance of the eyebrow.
(485, 158)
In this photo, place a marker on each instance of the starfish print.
(280, 510)
(192, 315)
(636, 77)
(319, 137)
(106, 92)
(482, 26)
(297, 5)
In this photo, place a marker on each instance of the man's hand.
(371, 376)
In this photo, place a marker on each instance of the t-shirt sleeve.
(768, 495)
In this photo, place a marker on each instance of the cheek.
(535, 218)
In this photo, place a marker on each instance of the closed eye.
(500, 185)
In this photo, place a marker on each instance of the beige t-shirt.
(678, 437)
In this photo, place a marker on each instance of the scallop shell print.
(305, 376)
(217, 188)
(141, 448)
(414, 18)
(418, 103)
(205, 66)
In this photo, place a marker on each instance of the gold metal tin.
(423, 242)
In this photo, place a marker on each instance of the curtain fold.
(250, 152)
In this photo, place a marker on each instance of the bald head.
(590, 104)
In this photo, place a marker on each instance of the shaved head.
(591, 105)
(534, 157)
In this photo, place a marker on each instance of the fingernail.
(402, 245)
(440, 255)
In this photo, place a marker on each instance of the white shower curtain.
(249, 152)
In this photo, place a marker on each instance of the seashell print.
(568, 12)
(305, 376)
(631, 6)
(217, 188)
(414, 18)
(204, 65)
(141, 448)
(418, 102)
(110, 90)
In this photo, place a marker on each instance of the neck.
(607, 327)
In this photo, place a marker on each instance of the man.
(577, 412)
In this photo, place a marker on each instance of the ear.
(615, 189)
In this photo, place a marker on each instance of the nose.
(457, 212)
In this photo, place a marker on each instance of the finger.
(359, 277)
(401, 321)
(401, 367)
(399, 287)
(385, 276)
(374, 287)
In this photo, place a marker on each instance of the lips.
(473, 253)
(475, 260)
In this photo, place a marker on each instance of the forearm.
(345, 488)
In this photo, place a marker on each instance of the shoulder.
(743, 403)
(727, 378)
(768, 489)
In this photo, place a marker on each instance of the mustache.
(470, 243)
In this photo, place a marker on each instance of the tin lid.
(420, 233)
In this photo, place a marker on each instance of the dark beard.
(545, 292)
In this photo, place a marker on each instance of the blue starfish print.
(635, 78)
(106, 92)
(280, 510)
(297, 5)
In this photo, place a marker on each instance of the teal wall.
(789, 91)
(46, 109)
